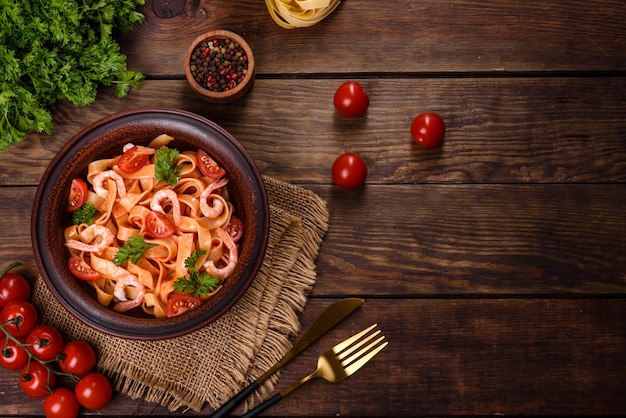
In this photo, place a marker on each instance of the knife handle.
(232, 403)
(262, 407)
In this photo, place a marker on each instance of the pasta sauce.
(159, 242)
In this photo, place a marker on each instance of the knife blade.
(330, 317)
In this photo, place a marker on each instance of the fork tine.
(363, 360)
(346, 361)
(360, 343)
(344, 344)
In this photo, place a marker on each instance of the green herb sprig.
(164, 168)
(196, 283)
(58, 50)
(133, 250)
(84, 214)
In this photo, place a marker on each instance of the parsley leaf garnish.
(196, 284)
(164, 168)
(133, 250)
(84, 214)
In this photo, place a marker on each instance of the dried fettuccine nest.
(291, 14)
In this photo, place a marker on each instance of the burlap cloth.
(213, 363)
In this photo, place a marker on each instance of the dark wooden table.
(495, 264)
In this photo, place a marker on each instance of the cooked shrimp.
(166, 194)
(120, 292)
(101, 178)
(93, 232)
(212, 211)
(227, 270)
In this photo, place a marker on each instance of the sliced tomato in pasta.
(208, 166)
(79, 268)
(132, 160)
(179, 303)
(158, 225)
(78, 195)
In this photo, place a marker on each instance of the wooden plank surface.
(495, 264)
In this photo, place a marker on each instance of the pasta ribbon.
(291, 14)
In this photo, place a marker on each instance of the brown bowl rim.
(86, 309)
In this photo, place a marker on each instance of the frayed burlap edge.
(258, 328)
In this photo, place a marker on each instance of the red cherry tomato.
(13, 286)
(36, 380)
(158, 225)
(78, 195)
(349, 171)
(235, 228)
(80, 269)
(94, 391)
(132, 160)
(351, 100)
(208, 166)
(77, 358)
(179, 303)
(45, 342)
(428, 129)
(61, 403)
(13, 356)
(19, 317)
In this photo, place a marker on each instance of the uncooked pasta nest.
(291, 14)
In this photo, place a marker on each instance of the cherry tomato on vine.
(179, 303)
(36, 380)
(19, 317)
(94, 391)
(45, 342)
(349, 171)
(351, 100)
(158, 225)
(208, 166)
(13, 286)
(61, 403)
(80, 269)
(428, 129)
(235, 228)
(132, 160)
(78, 194)
(13, 356)
(77, 358)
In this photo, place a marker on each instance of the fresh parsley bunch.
(59, 50)
(195, 283)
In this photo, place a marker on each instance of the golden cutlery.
(336, 364)
(331, 316)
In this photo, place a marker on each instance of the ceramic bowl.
(239, 87)
(105, 139)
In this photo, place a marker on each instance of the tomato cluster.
(349, 170)
(40, 354)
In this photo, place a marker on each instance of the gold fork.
(335, 364)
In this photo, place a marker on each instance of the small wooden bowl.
(221, 96)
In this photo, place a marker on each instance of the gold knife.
(331, 316)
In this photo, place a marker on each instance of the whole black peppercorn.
(219, 64)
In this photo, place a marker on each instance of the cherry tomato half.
(78, 195)
(349, 171)
(36, 380)
(428, 129)
(80, 269)
(13, 356)
(61, 403)
(77, 358)
(45, 342)
(13, 286)
(132, 160)
(158, 225)
(19, 317)
(180, 303)
(208, 166)
(94, 391)
(235, 228)
(351, 100)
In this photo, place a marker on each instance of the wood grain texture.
(412, 36)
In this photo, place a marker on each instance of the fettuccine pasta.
(175, 221)
(291, 14)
